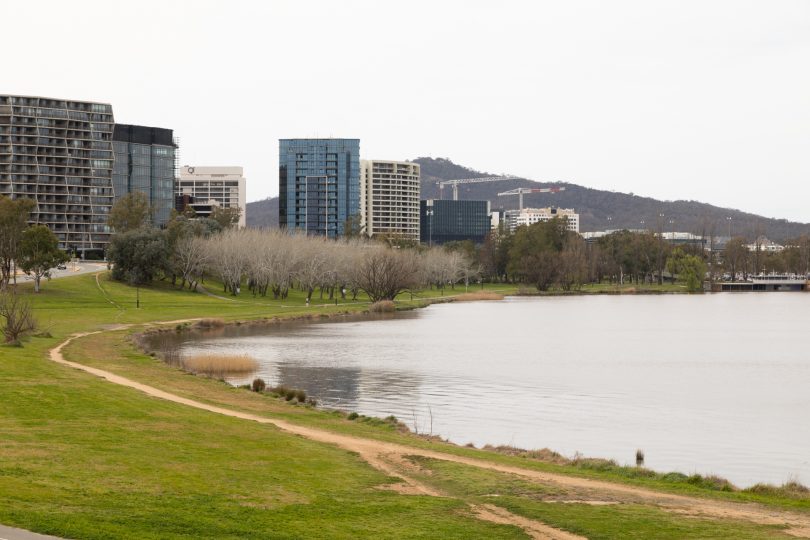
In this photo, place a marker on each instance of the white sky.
(704, 100)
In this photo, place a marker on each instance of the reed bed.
(383, 306)
(478, 295)
(218, 365)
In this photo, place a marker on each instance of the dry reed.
(204, 324)
(220, 364)
(478, 295)
(383, 306)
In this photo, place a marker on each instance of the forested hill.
(595, 206)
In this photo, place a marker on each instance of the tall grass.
(383, 306)
(478, 295)
(218, 365)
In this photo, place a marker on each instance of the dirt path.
(387, 457)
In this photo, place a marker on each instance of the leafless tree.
(384, 273)
(17, 314)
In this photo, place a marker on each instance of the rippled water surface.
(711, 383)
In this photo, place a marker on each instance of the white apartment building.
(389, 200)
(205, 188)
(529, 216)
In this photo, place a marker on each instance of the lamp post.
(429, 214)
(729, 226)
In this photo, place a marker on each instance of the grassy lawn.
(82, 458)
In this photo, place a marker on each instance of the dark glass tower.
(450, 221)
(319, 185)
(145, 162)
(59, 153)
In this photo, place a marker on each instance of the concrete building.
(206, 188)
(444, 221)
(389, 202)
(145, 161)
(530, 216)
(60, 154)
(319, 185)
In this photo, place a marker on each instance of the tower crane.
(455, 183)
(520, 191)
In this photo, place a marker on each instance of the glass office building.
(59, 153)
(145, 161)
(319, 185)
(448, 221)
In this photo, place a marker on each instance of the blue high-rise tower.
(319, 185)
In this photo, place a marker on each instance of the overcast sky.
(675, 100)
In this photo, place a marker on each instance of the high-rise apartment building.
(449, 221)
(389, 200)
(145, 161)
(319, 185)
(205, 188)
(60, 154)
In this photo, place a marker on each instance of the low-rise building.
(530, 216)
(205, 188)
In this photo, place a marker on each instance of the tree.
(17, 314)
(735, 256)
(39, 253)
(226, 217)
(138, 256)
(535, 252)
(689, 268)
(354, 226)
(130, 212)
(384, 273)
(13, 221)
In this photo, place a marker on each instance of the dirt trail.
(385, 456)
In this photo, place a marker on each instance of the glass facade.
(145, 162)
(449, 221)
(59, 153)
(319, 184)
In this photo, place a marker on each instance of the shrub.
(383, 306)
(301, 396)
(258, 385)
(353, 416)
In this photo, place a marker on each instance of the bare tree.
(384, 273)
(17, 314)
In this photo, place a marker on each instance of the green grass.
(83, 458)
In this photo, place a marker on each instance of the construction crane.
(520, 191)
(481, 180)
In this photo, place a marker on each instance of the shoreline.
(546, 455)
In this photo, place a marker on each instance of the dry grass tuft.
(204, 324)
(478, 295)
(383, 306)
(791, 489)
(543, 454)
(220, 364)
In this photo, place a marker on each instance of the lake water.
(707, 383)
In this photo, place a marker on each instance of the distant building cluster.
(74, 161)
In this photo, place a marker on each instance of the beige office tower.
(389, 200)
(206, 188)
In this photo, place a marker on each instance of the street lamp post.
(429, 214)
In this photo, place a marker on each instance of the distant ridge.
(595, 206)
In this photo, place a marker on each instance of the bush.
(301, 396)
(383, 306)
(353, 416)
(258, 385)
(206, 324)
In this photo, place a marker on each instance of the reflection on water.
(710, 384)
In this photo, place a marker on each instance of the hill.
(262, 214)
(600, 209)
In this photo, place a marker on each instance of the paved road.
(73, 269)
(10, 533)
